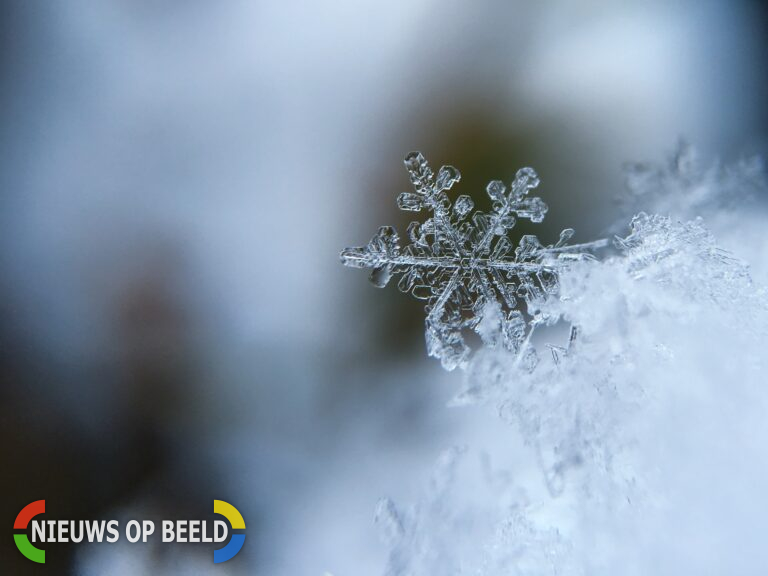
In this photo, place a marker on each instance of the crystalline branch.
(463, 263)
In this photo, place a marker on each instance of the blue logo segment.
(224, 554)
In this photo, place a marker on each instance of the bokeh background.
(177, 180)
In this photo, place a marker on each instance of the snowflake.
(466, 267)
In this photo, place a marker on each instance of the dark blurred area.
(177, 181)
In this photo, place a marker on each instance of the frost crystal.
(651, 424)
(466, 267)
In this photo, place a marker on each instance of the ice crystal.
(651, 425)
(671, 331)
(464, 264)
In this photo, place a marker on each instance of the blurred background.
(177, 181)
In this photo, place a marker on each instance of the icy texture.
(629, 427)
(643, 438)
(466, 267)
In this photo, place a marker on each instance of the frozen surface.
(643, 426)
